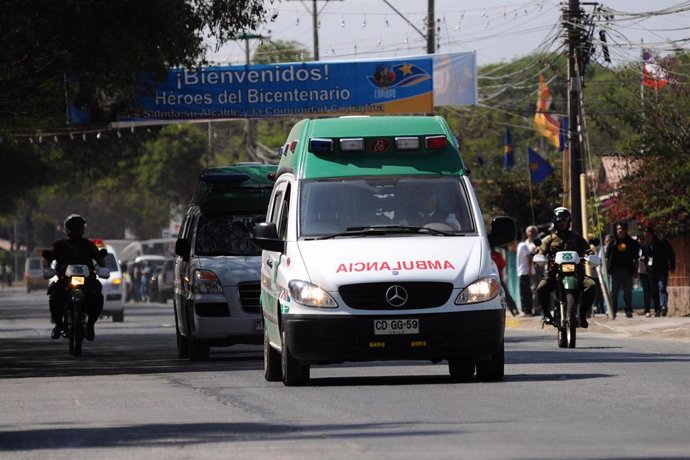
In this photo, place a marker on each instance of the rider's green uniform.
(566, 240)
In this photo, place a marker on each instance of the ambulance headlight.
(481, 290)
(310, 295)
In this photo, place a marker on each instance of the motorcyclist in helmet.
(75, 249)
(562, 238)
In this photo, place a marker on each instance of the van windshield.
(356, 206)
(227, 235)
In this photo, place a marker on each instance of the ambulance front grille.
(372, 296)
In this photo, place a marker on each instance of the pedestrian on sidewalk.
(660, 261)
(643, 275)
(621, 255)
(526, 270)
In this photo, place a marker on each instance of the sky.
(498, 30)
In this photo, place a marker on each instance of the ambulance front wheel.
(493, 369)
(294, 372)
(272, 365)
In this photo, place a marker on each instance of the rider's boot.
(56, 333)
(548, 318)
(583, 319)
(90, 331)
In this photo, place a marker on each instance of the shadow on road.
(111, 355)
(167, 435)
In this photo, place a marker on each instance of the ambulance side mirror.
(503, 230)
(265, 236)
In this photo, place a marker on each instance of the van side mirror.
(265, 236)
(182, 248)
(503, 230)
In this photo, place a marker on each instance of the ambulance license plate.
(396, 326)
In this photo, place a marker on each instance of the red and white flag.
(653, 75)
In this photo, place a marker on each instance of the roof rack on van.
(220, 176)
(235, 188)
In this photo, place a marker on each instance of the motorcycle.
(74, 315)
(567, 292)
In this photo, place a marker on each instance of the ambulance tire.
(492, 370)
(273, 371)
(461, 369)
(294, 373)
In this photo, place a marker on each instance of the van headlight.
(481, 290)
(206, 282)
(310, 295)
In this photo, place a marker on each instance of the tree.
(281, 51)
(658, 193)
(96, 53)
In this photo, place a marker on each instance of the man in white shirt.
(529, 279)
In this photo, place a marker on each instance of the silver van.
(217, 267)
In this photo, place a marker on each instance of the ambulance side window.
(284, 211)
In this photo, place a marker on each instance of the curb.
(674, 327)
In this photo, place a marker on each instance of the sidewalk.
(669, 327)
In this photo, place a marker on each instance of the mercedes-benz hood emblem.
(396, 296)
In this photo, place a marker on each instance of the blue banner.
(383, 86)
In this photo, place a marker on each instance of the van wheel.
(294, 372)
(492, 370)
(461, 369)
(182, 345)
(273, 371)
(118, 316)
(198, 349)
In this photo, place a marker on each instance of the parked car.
(113, 286)
(161, 283)
(33, 274)
(141, 267)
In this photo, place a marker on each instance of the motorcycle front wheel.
(77, 336)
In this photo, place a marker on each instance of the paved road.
(129, 397)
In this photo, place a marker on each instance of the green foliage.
(658, 193)
(99, 51)
(281, 51)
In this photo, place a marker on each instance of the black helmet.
(561, 213)
(74, 222)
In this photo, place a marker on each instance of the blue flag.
(508, 159)
(563, 135)
(539, 168)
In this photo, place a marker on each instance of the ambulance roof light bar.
(320, 145)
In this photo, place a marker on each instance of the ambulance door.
(270, 262)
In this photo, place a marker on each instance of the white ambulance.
(374, 248)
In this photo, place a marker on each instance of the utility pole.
(430, 29)
(430, 35)
(315, 19)
(574, 41)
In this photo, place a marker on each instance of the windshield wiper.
(384, 230)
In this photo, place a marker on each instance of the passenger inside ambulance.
(422, 206)
(325, 213)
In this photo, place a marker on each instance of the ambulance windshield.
(358, 205)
